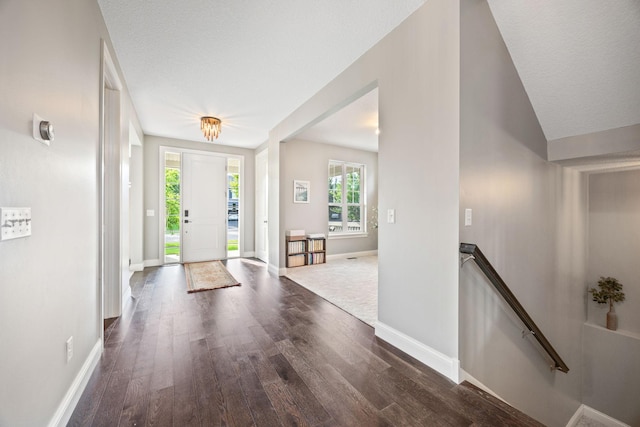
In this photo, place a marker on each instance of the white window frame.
(345, 233)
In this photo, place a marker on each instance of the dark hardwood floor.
(266, 353)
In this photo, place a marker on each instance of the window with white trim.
(347, 198)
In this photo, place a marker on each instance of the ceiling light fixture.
(211, 127)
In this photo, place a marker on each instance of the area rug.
(204, 276)
(349, 283)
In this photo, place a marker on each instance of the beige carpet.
(351, 284)
(204, 276)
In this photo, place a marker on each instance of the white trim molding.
(248, 254)
(592, 414)
(447, 366)
(152, 263)
(352, 255)
(338, 236)
(68, 405)
(136, 267)
(465, 376)
(126, 296)
(273, 269)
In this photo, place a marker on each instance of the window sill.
(337, 236)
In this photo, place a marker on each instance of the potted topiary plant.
(610, 291)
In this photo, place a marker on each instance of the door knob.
(186, 221)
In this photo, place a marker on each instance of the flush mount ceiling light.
(211, 127)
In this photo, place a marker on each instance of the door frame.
(261, 156)
(161, 194)
(108, 195)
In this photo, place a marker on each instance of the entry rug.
(204, 276)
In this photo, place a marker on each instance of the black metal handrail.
(502, 288)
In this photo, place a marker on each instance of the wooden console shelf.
(302, 250)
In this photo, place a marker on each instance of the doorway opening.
(350, 198)
(233, 207)
(172, 202)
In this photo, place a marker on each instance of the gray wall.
(611, 381)
(529, 219)
(49, 288)
(152, 190)
(611, 367)
(416, 68)
(309, 161)
(136, 204)
(614, 243)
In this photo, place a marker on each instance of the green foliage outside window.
(234, 185)
(172, 198)
(353, 195)
(345, 187)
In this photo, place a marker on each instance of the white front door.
(262, 212)
(204, 207)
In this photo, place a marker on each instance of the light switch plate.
(468, 217)
(14, 223)
(391, 216)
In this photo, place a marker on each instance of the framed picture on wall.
(301, 191)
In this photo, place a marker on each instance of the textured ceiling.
(250, 63)
(579, 61)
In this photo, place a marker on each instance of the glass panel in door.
(172, 193)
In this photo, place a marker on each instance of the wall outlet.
(69, 348)
(391, 216)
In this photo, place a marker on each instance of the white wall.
(152, 190)
(529, 219)
(416, 68)
(309, 161)
(48, 281)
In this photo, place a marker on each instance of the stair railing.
(475, 254)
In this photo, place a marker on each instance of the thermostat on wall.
(42, 130)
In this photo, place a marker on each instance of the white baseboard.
(594, 415)
(465, 376)
(65, 409)
(126, 296)
(352, 255)
(136, 267)
(152, 262)
(249, 254)
(447, 366)
(273, 269)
